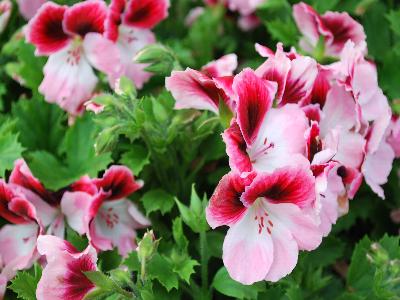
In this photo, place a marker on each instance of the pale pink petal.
(114, 226)
(224, 66)
(377, 166)
(103, 54)
(244, 7)
(68, 80)
(5, 13)
(247, 254)
(28, 8)
(286, 252)
(339, 110)
(75, 206)
(264, 51)
(249, 22)
(193, 15)
(130, 41)
(192, 89)
(308, 21)
(394, 135)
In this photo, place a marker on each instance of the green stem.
(204, 265)
(143, 271)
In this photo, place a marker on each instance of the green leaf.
(10, 147)
(161, 269)
(224, 284)
(185, 268)
(79, 157)
(136, 158)
(39, 124)
(284, 31)
(157, 200)
(394, 19)
(179, 236)
(24, 285)
(377, 30)
(327, 253)
(132, 262)
(109, 260)
(79, 242)
(360, 273)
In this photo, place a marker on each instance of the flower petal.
(85, 17)
(145, 13)
(45, 30)
(225, 207)
(224, 66)
(254, 99)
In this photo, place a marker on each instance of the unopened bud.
(147, 246)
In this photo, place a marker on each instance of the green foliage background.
(180, 156)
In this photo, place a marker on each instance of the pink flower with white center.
(18, 239)
(5, 13)
(271, 218)
(73, 39)
(204, 89)
(28, 8)
(294, 74)
(105, 215)
(63, 276)
(334, 28)
(263, 138)
(128, 24)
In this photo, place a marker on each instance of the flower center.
(75, 52)
(262, 217)
(263, 150)
(110, 217)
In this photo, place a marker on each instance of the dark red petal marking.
(114, 19)
(285, 185)
(314, 143)
(225, 205)
(6, 197)
(119, 181)
(236, 149)
(254, 99)
(22, 175)
(76, 285)
(85, 17)
(320, 88)
(145, 13)
(45, 30)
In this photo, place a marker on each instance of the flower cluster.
(91, 35)
(302, 138)
(97, 208)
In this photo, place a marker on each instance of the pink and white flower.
(294, 74)
(28, 8)
(5, 13)
(104, 213)
(263, 138)
(333, 28)
(73, 39)
(63, 276)
(204, 89)
(270, 218)
(129, 25)
(18, 239)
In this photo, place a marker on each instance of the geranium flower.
(63, 276)
(18, 239)
(105, 214)
(204, 89)
(28, 8)
(5, 13)
(334, 28)
(128, 24)
(271, 218)
(261, 137)
(73, 39)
